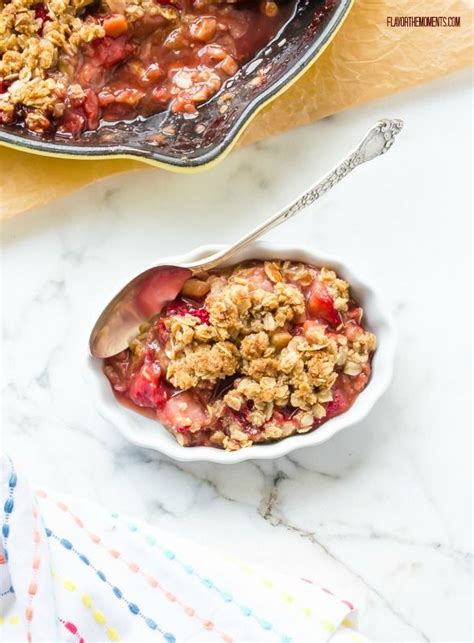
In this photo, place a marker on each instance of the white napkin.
(73, 571)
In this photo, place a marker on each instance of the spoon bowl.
(140, 299)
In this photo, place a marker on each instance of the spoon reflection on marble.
(146, 294)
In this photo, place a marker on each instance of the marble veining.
(382, 512)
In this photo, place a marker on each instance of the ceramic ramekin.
(148, 433)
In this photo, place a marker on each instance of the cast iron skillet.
(180, 143)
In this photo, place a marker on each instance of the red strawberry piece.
(338, 405)
(111, 51)
(146, 388)
(72, 122)
(180, 409)
(321, 305)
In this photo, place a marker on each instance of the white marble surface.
(383, 511)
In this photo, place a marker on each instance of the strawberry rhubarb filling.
(65, 65)
(250, 354)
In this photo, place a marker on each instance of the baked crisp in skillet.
(67, 64)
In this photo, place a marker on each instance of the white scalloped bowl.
(149, 433)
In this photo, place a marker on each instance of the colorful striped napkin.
(73, 571)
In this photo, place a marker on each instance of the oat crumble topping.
(30, 46)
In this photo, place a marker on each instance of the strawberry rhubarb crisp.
(67, 64)
(247, 355)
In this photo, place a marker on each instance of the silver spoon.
(146, 294)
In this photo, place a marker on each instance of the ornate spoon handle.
(377, 141)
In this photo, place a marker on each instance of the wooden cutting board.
(368, 59)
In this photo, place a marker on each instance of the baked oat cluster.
(65, 64)
(32, 38)
(265, 350)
